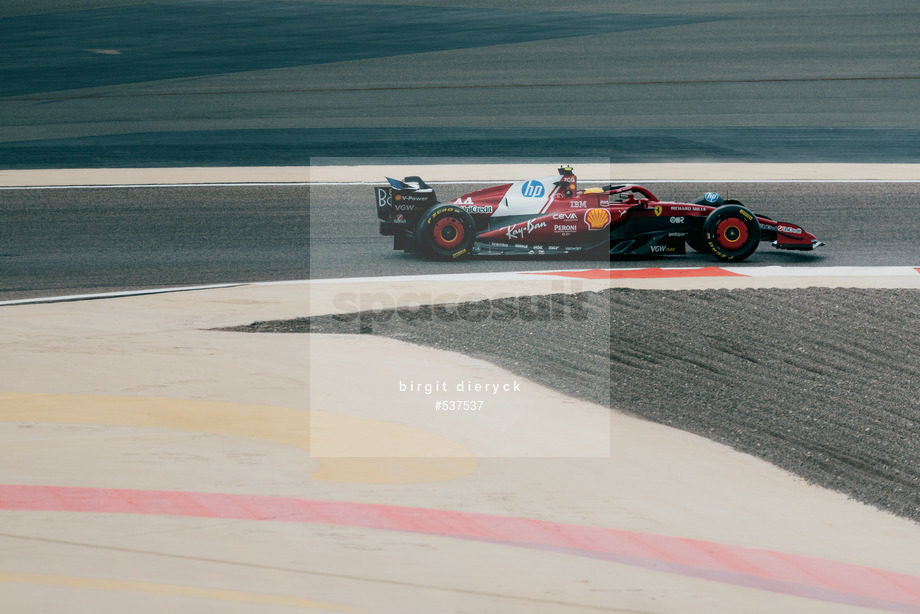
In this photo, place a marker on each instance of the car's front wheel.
(697, 240)
(445, 232)
(731, 233)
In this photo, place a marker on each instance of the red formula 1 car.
(551, 215)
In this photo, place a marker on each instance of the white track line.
(755, 272)
(746, 271)
(838, 271)
(128, 293)
(120, 294)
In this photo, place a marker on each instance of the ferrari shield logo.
(658, 210)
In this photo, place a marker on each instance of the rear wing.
(401, 200)
(401, 203)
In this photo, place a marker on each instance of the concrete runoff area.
(332, 171)
(172, 460)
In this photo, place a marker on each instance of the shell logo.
(597, 218)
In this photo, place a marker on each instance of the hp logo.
(711, 197)
(532, 189)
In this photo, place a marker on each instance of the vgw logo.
(532, 189)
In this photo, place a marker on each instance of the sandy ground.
(151, 461)
(822, 382)
(463, 172)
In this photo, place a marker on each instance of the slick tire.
(445, 232)
(696, 240)
(731, 233)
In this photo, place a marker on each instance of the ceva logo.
(532, 189)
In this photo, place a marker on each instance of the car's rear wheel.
(445, 232)
(731, 233)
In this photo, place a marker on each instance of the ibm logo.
(532, 189)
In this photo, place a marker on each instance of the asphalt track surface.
(109, 239)
(99, 240)
(266, 82)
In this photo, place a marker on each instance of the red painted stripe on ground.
(762, 569)
(650, 273)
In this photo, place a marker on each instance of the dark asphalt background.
(123, 83)
(80, 241)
